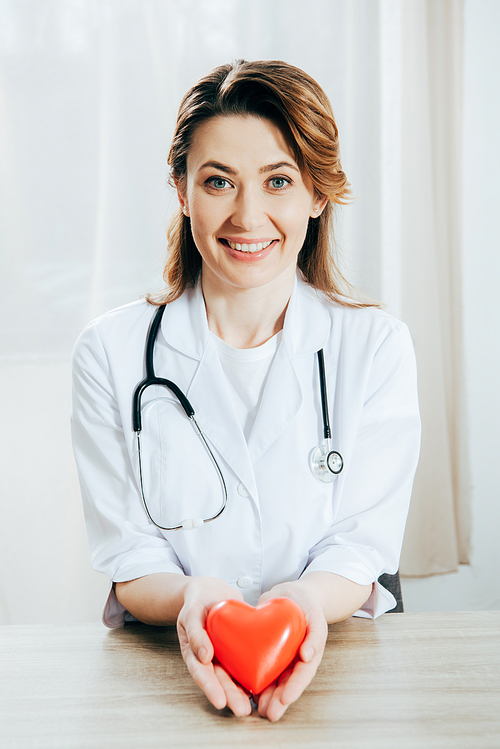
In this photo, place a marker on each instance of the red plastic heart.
(256, 644)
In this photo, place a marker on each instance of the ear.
(180, 185)
(319, 204)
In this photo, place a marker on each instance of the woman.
(253, 294)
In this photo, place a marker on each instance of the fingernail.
(308, 655)
(202, 653)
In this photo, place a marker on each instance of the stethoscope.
(325, 463)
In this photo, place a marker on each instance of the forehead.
(238, 139)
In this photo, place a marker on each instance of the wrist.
(208, 590)
(298, 591)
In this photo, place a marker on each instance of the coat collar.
(184, 325)
(307, 322)
(306, 328)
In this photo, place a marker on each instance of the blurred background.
(89, 91)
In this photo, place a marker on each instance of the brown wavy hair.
(292, 100)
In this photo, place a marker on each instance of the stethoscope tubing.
(324, 395)
(320, 462)
(149, 380)
(186, 524)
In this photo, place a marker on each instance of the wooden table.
(402, 681)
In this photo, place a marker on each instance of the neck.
(246, 318)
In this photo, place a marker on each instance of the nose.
(248, 212)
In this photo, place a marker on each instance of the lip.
(248, 257)
(249, 240)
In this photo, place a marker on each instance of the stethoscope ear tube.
(136, 413)
(324, 396)
(151, 378)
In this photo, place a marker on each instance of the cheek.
(204, 215)
(295, 220)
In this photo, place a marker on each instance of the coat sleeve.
(373, 496)
(123, 543)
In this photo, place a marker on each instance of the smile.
(258, 247)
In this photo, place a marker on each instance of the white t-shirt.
(246, 372)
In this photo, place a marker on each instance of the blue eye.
(218, 182)
(279, 182)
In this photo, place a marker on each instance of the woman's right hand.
(201, 593)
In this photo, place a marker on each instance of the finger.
(314, 641)
(266, 597)
(276, 707)
(297, 681)
(265, 699)
(200, 644)
(191, 630)
(237, 699)
(204, 676)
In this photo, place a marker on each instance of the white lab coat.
(280, 522)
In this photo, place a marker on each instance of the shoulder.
(372, 344)
(349, 315)
(370, 351)
(122, 318)
(352, 323)
(118, 330)
(364, 323)
(361, 335)
(314, 322)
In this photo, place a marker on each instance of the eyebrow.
(262, 170)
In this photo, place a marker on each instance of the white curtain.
(88, 96)
(438, 531)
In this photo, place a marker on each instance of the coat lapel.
(185, 328)
(217, 417)
(305, 331)
(280, 402)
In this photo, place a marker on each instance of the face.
(248, 202)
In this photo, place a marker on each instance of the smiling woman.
(295, 110)
(256, 327)
(249, 207)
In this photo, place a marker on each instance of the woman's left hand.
(274, 700)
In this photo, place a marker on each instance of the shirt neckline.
(263, 351)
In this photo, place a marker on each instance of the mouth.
(248, 247)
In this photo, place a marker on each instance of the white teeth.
(249, 247)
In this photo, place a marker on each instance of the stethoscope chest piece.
(325, 462)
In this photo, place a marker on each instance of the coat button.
(244, 582)
(243, 491)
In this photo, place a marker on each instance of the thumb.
(193, 635)
(316, 634)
